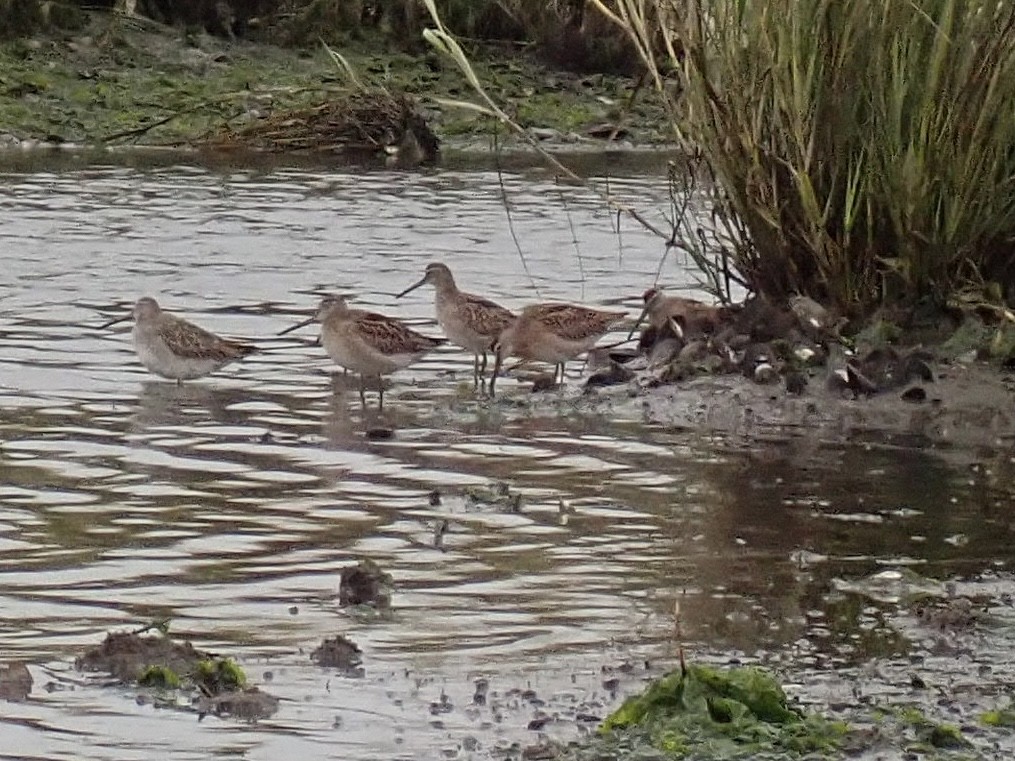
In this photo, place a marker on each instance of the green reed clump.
(863, 150)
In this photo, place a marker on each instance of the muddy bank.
(126, 81)
(967, 406)
(754, 371)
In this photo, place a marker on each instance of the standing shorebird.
(680, 315)
(553, 333)
(469, 321)
(174, 348)
(367, 343)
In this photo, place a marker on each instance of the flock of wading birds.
(374, 345)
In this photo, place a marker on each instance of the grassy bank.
(127, 81)
(862, 151)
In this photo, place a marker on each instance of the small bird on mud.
(170, 346)
(469, 321)
(552, 333)
(368, 343)
(692, 318)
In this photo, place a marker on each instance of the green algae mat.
(703, 712)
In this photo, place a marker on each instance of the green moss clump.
(159, 677)
(929, 734)
(946, 736)
(727, 712)
(215, 676)
(999, 717)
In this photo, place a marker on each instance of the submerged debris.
(340, 653)
(544, 382)
(248, 704)
(952, 614)
(372, 121)
(613, 374)
(15, 682)
(365, 584)
(498, 496)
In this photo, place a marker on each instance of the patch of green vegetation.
(728, 713)
(564, 111)
(946, 736)
(159, 677)
(999, 717)
(218, 675)
(117, 82)
(929, 733)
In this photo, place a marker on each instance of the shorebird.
(174, 348)
(553, 333)
(367, 343)
(677, 314)
(469, 321)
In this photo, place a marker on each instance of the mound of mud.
(126, 655)
(218, 685)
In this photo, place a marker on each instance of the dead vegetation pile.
(361, 121)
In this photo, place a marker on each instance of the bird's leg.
(362, 392)
(497, 359)
(380, 394)
(475, 370)
(482, 372)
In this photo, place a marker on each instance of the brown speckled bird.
(367, 343)
(469, 321)
(553, 333)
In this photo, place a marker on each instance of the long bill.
(297, 326)
(117, 321)
(411, 288)
(641, 317)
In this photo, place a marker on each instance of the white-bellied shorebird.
(679, 314)
(553, 333)
(174, 348)
(370, 344)
(469, 321)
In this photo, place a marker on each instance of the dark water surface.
(231, 504)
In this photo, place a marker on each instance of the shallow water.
(231, 504)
